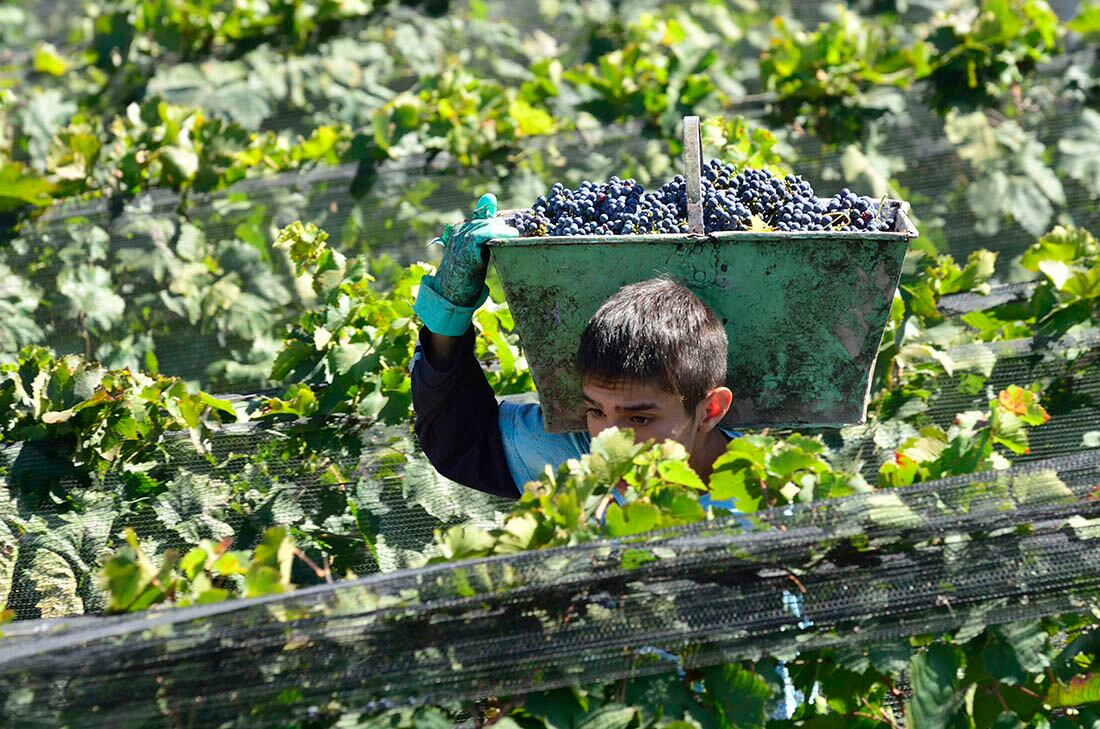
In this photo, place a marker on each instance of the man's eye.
(641, 420)
(595, 413)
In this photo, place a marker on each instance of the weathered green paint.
(804, 312)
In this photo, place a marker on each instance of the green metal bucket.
(804, 312)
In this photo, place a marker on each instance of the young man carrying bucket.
(653, 359)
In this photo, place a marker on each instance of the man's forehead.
(627, 394)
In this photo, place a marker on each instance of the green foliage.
(912, 354)
(968, 446)
(575, 504)
(351, 354)
(665, 68)
(470, 118)
(659, 488)
(20, 187)
(833, 81)
(111, 418)
(194, 287)
(1087, 22)
(824, 80)
(1079, 152)
(1014, 178)
(936, 694)
(198, 81)
(207, 573)
(736, 140)
(761, 472)
(189, 29)
(1065, 299)
(156, 144)
(944, 276)
(1069, 294)
(981, 53)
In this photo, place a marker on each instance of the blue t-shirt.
(529, 449)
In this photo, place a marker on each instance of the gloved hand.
(447, 301)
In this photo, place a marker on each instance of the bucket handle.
(693, 172)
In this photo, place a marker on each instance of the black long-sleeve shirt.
(458, 420)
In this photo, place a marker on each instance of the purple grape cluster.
(732, 200)
(851, 212)
(665, 209)
(592, 209)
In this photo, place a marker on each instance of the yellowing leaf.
(530, 120)
(232, 563)
(757, 225)
(47, 60)
(1080, 690)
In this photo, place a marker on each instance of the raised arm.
(457, 416)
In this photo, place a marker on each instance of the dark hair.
(656, 332)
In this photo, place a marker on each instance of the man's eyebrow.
(630, 408)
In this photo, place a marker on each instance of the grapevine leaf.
(1040, 487)
(633, 518)
(461, 542)
(1017, 650)
(1080, 690)
(679, 472)
(1067, 244)
(54, 584)
(737, 483)
(936, 691)
(741, 694)
(1080, 151)
(19, 187)
(90, 293)
(611, 716)
(1007, 720)
(191, 507)
(612, 455)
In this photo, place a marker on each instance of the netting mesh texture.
(382, 517)
(975, 550)
(1065, 367)
(55, 513)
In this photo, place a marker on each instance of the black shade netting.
(1066, 370)
(971, 551)
(359, 496)
(364, 497)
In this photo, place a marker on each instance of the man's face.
(648, 410)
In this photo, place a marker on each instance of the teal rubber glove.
(447, 301)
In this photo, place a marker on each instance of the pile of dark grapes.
(732, 200)
(593, 209)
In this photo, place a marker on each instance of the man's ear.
(715, 406)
